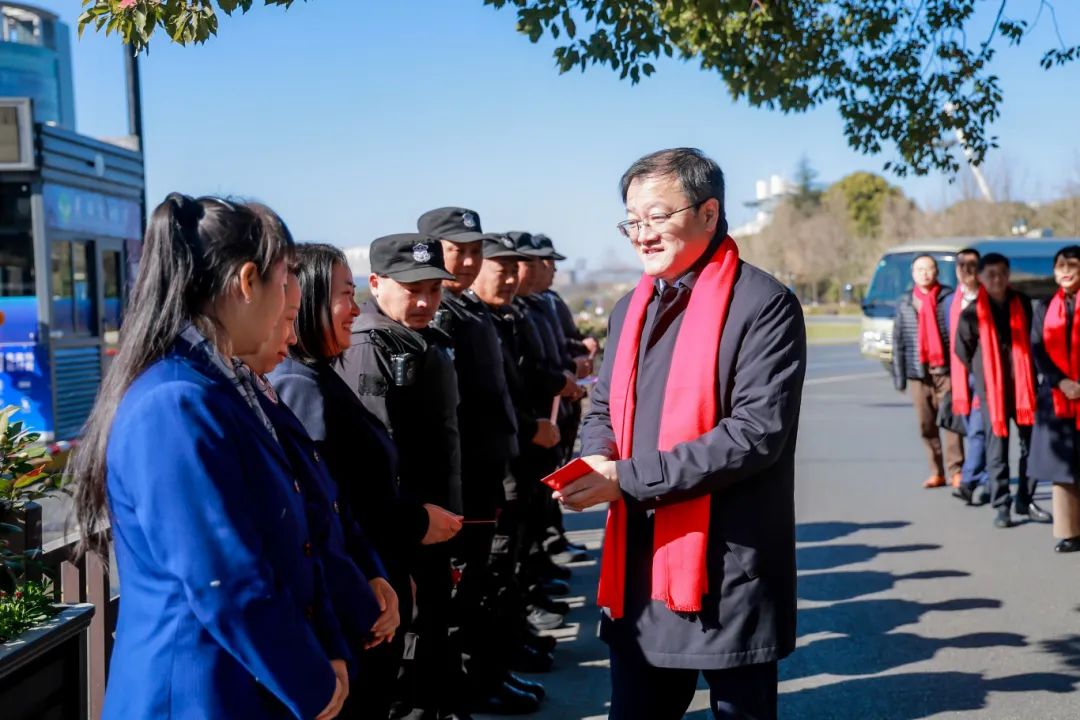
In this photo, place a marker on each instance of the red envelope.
(567, 474)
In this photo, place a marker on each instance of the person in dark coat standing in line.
(403, 372)
(357, 450)
(487, 426)
(691, 437)
(993, 340)
(1055, 440)
(964, 403)
(921, 362)
(363, 600)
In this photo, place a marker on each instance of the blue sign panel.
(85, 211)
(24, 382)
(18, 319)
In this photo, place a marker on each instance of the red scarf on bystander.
(1023, 377)
(1063, 351)
(681, 529)
(931, 350)
(958, 374)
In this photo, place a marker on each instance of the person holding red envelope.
(691, 439)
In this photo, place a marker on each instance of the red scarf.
(681, 529)
(1064, 352)
(1023, 378)
(931, 351)
(958, 374)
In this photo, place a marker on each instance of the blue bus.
(71, 219)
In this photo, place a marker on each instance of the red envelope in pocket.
(567, 474)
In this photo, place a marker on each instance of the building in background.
(71, 220)
(767, 195)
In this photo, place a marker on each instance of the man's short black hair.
(928, 256)
(1069, 252)
(699, 176)
(992, 259)
(969, 251)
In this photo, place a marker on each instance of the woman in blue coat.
(1055, 439)
(224, 611)
(362, 597)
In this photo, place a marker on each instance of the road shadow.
(872, 654)
(1067, 648)
(863, 618)
(825, 531)
(827, 557)
(909, 696)
(833, 586)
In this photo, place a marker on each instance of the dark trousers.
(997, 466)
(640, 691)
(429, 678)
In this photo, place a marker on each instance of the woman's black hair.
(315, 264)
(190, 256)
(1069, 252)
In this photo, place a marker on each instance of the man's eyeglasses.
(632, 228)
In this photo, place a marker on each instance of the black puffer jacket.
(905, 360)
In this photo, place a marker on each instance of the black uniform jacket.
(361, 458)
(746, 464)
(407, 379)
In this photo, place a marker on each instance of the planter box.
(43, 671)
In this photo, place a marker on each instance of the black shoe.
(1034, 512)
(542, 619)
(528, 660)
(1068, 545)
(540, 600)
(507, 700)
(455, 715)
(540, 643)
(553, 571)
(965, 493)
(1003, 520)
(983, 498)
(555, 587)
(530, 686)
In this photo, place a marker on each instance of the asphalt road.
(911, 604)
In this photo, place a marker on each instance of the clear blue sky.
(351, 118)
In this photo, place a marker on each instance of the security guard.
(403, 371)
(577, 354)
(494, 289)
(488, 431)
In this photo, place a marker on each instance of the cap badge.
(420, 253)
(469, 220)
(507, 242)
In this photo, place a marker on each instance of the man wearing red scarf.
(691, 437)
(993, 340)
(921, 362)
(1055, 441)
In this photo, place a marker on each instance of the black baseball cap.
(523, 241)
(408, 257)
(501, 246)
(455, 224)
(544, 244)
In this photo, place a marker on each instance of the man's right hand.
(442, 525)
(1071, 388)
(547, 434)
(571, 389)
